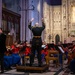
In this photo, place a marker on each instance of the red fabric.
(65, 49)
(44, 51)
(46, 47)
(12, 46)
(27, 51)
(14, 49)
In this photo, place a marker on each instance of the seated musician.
(66, 52)
(60, 53)
(15, 53)
(12, 57)
(72, 62)
(71, 49)
(8, 52)
(15, 48)
(72, 57)
(51, 46)
(65, 49)
(44, 51)
(25, 50)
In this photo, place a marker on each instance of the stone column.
(22, 23)
(25, 8)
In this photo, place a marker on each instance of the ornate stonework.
(59, 20)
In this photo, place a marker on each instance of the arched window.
(57, 39)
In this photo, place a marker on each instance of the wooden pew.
(49, 57)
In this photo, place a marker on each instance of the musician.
(71, 52)
(27, 49)
(44, 51)
(60, 52)
(15, 48)
(71, 58)
(2, 49)
(36, 41)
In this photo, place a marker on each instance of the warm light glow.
(73, 14)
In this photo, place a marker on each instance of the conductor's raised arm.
(29, 25)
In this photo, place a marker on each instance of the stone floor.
(14, 72)
(52, 71)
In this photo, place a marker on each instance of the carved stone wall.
(46, 18)
(59, 20)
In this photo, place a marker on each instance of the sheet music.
(43, 46)
(61, 49)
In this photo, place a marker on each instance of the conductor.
(36, 41)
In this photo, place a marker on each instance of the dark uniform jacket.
(2, 43)
(37, 31)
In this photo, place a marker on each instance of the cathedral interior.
(59, 18)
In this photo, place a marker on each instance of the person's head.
(1, 30)
(15, 43)
(36, 24)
